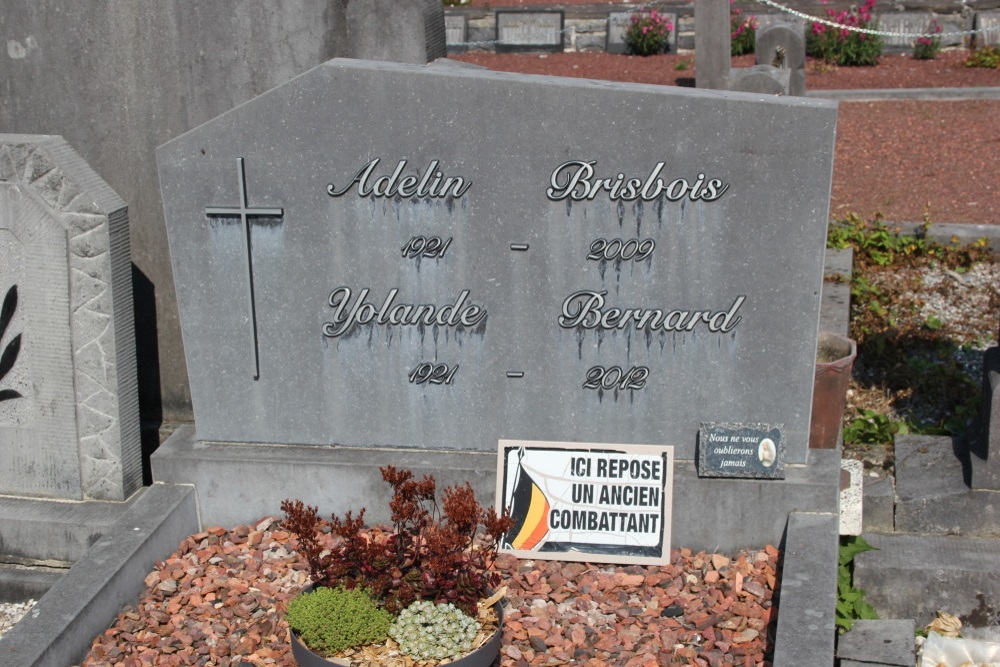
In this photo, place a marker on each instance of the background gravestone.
(408, 31)
(171, 66)
(618, 23)
(793, 56)
(69, 419)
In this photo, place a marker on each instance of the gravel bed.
(220, 600)
(11, 613)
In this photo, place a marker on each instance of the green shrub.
(428, 631)
(648, 34)
(841, 46)
(851, 605)
(987, 56)
(329, 620)
(743, 35)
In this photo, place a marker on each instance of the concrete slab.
(109, 576)
(878, 507)
(238, 482)
(35, 529)
(913, 576)
(805, 634)
(19, 583)
(933, 494)
(878, 642)
(851, 499)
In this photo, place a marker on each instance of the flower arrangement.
(840, 46)
(648, 34)
(440, 556)
(743, 38)
(927, 46)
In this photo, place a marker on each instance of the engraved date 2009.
(428, 373)
(599, 377)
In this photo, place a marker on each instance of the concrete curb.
(805, 634)
(923, 94)
(59, 629)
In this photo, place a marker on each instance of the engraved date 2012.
(599, 377)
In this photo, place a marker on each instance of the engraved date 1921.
(428, 373)
(431, 247)
(599, 377)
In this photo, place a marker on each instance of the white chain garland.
(868, 31)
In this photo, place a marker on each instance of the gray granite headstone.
(618, 23)
(712, 44)
(407, 31)
(988, 27)
(530, 31)
(760, 79)
(905, 23)
(368, 256)
(456, 30)
(69, 417)
(785, 44)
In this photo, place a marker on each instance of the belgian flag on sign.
(530, 510)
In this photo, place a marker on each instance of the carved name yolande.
(575, 180)
(433, 183)
(347, 313)
(586, 309)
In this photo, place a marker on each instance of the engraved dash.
(515, 374)
(519, 246)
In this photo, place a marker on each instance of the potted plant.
(423, 588)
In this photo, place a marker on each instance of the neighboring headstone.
(765, 21)
(406, 31)
(155, 69)
(783, 46)
(985, 450)
(456, 30)
(912, 23)
(712, 48)
(618, 23)
(760, 79)
(988, 27)
(519, 31)
(69, 417)
(357, 270)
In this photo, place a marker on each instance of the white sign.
(593, 502)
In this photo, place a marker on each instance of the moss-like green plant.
(428, 631)
(329, 620)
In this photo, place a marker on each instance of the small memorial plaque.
(529, 31)
(905, 24)
(591, 502)
(456, 31)
(754, 451)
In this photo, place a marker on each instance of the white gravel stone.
(11, 613)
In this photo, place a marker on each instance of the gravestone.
(907, 23)
(69, 418)
(408, 31)
(985, 449)
(760, 79)
(618, 23)
(783, 44)
(519, 31)
(712, 48)
(988, 27)
(357, 272)
(456, 29)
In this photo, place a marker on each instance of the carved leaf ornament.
(10, 352)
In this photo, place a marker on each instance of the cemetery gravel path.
(900, 158)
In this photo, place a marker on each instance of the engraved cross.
(244, 212)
